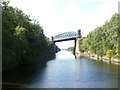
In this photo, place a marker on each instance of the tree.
(103, 38)
(23, 39)
(110, 54)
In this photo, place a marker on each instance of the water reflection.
(77, 56)
(67, 72)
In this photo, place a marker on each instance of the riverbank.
(95, 57)
(19, 77)
(66, 72)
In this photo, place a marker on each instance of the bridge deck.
(67, 39)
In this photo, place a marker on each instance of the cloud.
(75, 19)
(70, 18)
(103, 12)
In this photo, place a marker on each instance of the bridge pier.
(77, 51)
(74, 47)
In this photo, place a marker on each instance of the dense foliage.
(70, 49)
(23, 40)
(104, 40)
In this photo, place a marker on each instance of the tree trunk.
(101, 58)
(98, 57)
(110, 60)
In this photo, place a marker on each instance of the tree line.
(23, 39)
(104, 40)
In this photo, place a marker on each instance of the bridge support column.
(76, 48)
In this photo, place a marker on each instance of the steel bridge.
(68, 36)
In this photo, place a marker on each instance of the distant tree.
(70, 49)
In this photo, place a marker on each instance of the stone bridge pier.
(76, 43)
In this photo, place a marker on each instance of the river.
(67, 72)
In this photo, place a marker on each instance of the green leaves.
(19, 31)
(110, 54)
(23, 40)
(83, 44)
(104, 40)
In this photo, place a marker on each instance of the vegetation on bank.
(23, 39)
(104, 40)
(70, 49)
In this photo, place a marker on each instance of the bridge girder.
(66, 36)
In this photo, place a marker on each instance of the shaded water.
(67, 72)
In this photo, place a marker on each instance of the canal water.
(67, 72)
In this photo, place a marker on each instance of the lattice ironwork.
(66, 35)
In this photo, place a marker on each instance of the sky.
(59, 16)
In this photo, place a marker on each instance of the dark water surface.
(67, 72)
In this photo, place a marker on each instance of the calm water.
(67, 72)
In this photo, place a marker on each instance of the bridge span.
(69, 36)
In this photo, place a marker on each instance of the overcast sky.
(59, 16)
